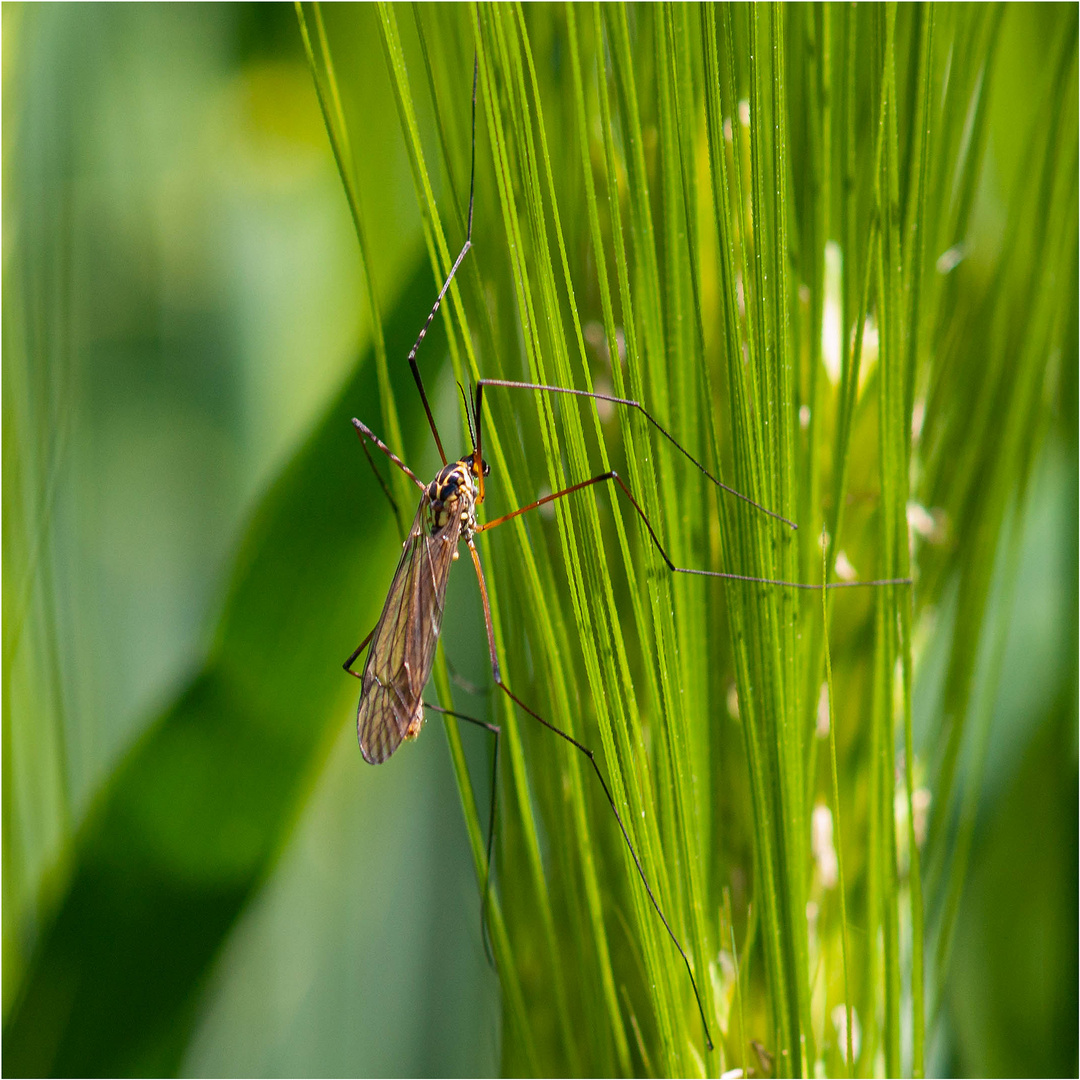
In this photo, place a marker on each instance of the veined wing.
(402, 648)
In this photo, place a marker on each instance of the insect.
(401, 648)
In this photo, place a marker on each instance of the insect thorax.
(453, 492)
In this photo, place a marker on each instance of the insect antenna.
(468, 414)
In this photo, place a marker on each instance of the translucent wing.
(402, 648)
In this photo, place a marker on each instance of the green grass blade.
(849, 1050)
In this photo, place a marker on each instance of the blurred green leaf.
(190, 823)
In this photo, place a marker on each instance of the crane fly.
(401, 648)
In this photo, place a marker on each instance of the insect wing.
(402, 648)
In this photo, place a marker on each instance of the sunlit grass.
(771, 226)
(666, 200)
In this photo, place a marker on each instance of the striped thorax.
(453, 493)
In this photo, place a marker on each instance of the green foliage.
(782, 229)
(879, 119)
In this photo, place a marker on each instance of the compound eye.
(486, 467)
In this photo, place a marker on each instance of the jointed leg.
(612, 475)
(356, 652)
(496, 731)
(365, 432)
(462, 683)
(386, 490)
(644, 412)
(596, 769)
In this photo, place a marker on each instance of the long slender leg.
(612, 475)
(385, 488)
(365, 432)
(495, 730)
(449, 277)
(630, 403)
(355, 653)
(462, 683)
(497, 674)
